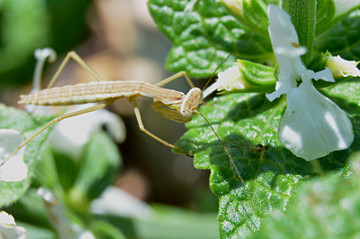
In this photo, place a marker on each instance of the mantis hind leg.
(174, 77)
(73, 55)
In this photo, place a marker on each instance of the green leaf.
(327, 207)
(251, 13)
(105, 230)
(342, 39)
(325, 11)
(11, 118)
(256, 77)
(330, 12)
(247, 124)
(37, 232)
(164, 222)
(203, 37)
(46, 173)
(98, 167)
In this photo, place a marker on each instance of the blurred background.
(118, 39)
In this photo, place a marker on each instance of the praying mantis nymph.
(171, 104)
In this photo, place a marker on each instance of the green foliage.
(18, 19)
(27, 25)
(342, 39)
(105, 230)
(256, 77)
(325, 207)
(264, 190)
(11, 118)
(99, 166)
(248, 123)
(90, 177)
(252, 13)
(167, 222)
(204, 36)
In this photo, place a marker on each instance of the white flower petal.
(285, 42)
(230, 79)
(114, 124)
(41, 55)
(325, 75)
(8, 229)
(14, 169)
(114, 201)
(282, 33)
(341, 67)
(313, 125)
(70, 135)
(6, 218)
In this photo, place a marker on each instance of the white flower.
(14, 169)
(312, 125)
(114, 201)
(230, 79)
(71, 135)
(342, 68)
(56, 211)
(8, 228)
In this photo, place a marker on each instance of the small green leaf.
(203, 37)
(11, 118)
(257, 77)
(327, 207)
(251, 13)
(46, 172)
(325, 11)
(99, 165)
(105, 230)
(247, 124)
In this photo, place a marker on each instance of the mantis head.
(183, 111)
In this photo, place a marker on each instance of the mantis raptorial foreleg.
(57, 119)
(78, 59)
(142, 127)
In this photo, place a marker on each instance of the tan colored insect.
(171, 104)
